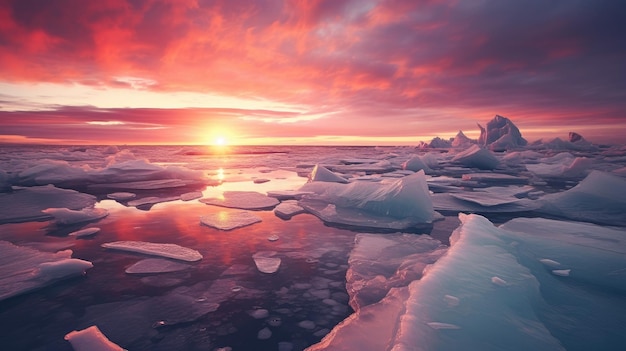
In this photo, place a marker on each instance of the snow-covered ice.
(23, 269)
(245, 200)
(229, 220)
(174, 251)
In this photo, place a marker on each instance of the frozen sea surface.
(353, 271)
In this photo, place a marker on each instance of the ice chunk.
(228, 220)
(499, 281)
(85, 232)
(390, 204)
(322, 174)
(500, 134)
(259, 313)
(191, 196)
(599, 198)
(246, 200)
(26, 204)
(91, 339)
(569, 168)
(65, 216)
(476, 157)
(156, 265)
(164, 250)
(415, 163)
(288, 209)
(24, 269)
(561, 272)
(264, 334)
(307, 324)
(121, 196)
(265, 262)
(260, 180)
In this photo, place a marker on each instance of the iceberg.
(65, 216)
(245, 200)
(599, 198)
(229, 220)
(164, 250)
(26, 204)
(476, 157)
(91, 339)
(23, 269)
(500, 134)
(390, 204)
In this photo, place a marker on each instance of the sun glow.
(219, 141)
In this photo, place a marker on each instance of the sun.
(220, 141)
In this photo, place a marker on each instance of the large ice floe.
(532, 284)
(174, 251)
(391, 204)
(599, 198)
(27, 204)
(23, 269)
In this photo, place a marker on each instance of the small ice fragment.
(273, 237)
(259, 313)
(451, 300)
(91, 339)
(561, 272)
(67, 216)
(550, 263)
(164, 250)
(274, 321)
(224, 220)
(306, 324)
(159, 324)
(264, 334)
(85, 232)
(499, 281)
(285, 210)
(191, 196)
(266, 264)
(236, 288)
(439, 325)
(285, 346)
(121, 196)
(260, 180)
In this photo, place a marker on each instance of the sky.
(358, 72)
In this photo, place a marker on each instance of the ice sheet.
(24, 269)
(156, 249)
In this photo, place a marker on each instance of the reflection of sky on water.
(306, 247)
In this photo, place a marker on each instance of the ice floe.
(91, 339)
(26, 204)
(23, 269)
(65, 216)
(245, 200)
(288, 209)
(174, 251)
(266, 262)
(85, 232)
(599, 198)
(156, 265)
(229, 220)
(394, 204)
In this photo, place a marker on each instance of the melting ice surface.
(317, 258)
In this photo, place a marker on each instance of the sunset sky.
(359, 72)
